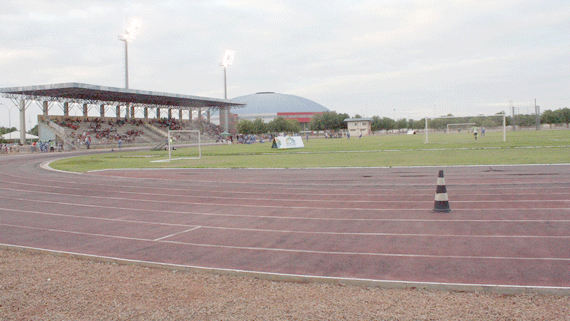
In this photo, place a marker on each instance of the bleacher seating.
(107, 132)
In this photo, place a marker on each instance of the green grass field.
(522, 147)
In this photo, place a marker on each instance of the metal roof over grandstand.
(100, 94)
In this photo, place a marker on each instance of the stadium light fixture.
(129, 35)
(227, 60)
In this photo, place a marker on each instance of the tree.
(282, 125)
(383, 123)
(5, 130)
(34, 131)
(328, 121)
(245, 127)
(402, 123)
(565, 116)
(418, 124)
(259, 127)
(293, 126)
(549, 117)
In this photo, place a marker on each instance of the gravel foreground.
(35, 286)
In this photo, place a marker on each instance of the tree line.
(559, 116)
(333, 121)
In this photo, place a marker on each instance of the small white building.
(359, 126)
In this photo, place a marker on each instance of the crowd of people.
(46, 146)
(243, 139)
(171, 123)
(101, 131)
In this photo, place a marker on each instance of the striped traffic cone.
(441, 199)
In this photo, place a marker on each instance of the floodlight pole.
(226, 61)
(126, 41)
(128, 35)
(126, 63)
(225, 84)
(227, 109)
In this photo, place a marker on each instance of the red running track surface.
(509, 225)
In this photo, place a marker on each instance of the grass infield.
(521, 147)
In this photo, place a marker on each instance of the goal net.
(183, 144)
(462, 129)
(459, 127)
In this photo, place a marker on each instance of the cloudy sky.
(399, 59)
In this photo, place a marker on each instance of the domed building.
(269, 105)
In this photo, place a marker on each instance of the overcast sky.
(398, 59)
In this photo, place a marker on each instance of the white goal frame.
(170, 141)
(504, 116)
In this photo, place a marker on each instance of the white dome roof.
(270, 102)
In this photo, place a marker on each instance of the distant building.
(269, 105)
(359, 126)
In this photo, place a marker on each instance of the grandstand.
(100, 130)
(107, 132)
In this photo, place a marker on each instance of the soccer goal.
(183, 144)
(462, 129)
(459, 127)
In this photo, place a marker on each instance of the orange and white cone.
(441, 199)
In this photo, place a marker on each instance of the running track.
(509, 228)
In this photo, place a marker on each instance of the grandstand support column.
(200, 117)
(145, 110)
(169, 113)
(66, 109)
(227, 122)
(85, 110)
(45, 108)
(22, 108)
(208, 116)
(180, 114)
(118, 111)
(158, 112)
(102, 110)
(127, 109)
(190, 111)
(133, 111)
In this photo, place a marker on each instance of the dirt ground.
(36, 286)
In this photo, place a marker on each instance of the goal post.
(492, 127)
(183, 144)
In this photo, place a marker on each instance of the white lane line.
(275, 206)
(557, 210)
(380, 192)
(475, 287)
(388, 186)
(293, 231)
(174, 234)
(250, 248)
